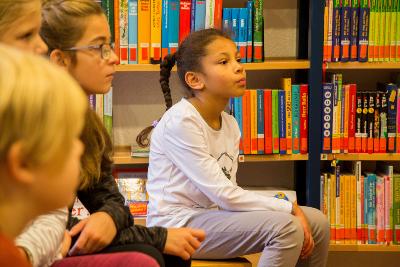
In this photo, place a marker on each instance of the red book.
(352, 117)
(246, 123)
(303, 118)
(184, 19)
(218, 14)
(268, 121)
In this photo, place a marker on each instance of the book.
(260, 121)
(184, 19)
(139, 152)
(303, 118)
(155, 31)
(258, 31)
(327, 103)
(268, 106)
(144, 33)
(282, 121)
(345, 31)
(363, 31)
(123, 31)
(250, 27)
(295, 119)
(132, 186)
(287, 87)
(275, 122)
(132, 31)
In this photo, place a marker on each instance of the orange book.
(116, 30)
(268, 121)
(144, 31)
(287, 87)
(246, 123)
(155, 31)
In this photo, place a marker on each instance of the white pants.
(278, 235)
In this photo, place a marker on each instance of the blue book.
(391, 96)
(336, 31)
(243, 34)
(363, 33)
(345, 33)
(200, 15)
(260, 121)
(232, 106)
(327, 113)
(282, 121)
(164, 29)
(132, 31)
(239, 118)
(295, 119)
(173, 25)
(227, 20)
(250, 12)
(354, 31)
(192, 15)
(370, 208)
(235, 25)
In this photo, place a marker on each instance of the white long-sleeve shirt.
(43, 237)
(193, 169)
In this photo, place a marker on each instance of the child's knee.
(292, 233)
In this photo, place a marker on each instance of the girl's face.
(56, 187)
(23, 33)
(93, 72)
(223, 74)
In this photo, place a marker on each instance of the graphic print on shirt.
(225, 161)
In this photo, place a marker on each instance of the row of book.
(164, 24)
(362, 30)
(362, 208)
(102, 104)
(273, 121)
(356, 121)
(248, 36)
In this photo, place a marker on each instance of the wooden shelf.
(122, 156)
(362, 156)
(365, 248)
(362, 65)
(268, 64)
(272, 157)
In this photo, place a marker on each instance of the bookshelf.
(364, 248)
(268, 64)
(362, 157)
(363, 66)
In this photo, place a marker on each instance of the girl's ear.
(194, 80)
(60, 58)
(16, 165)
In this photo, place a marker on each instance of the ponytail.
(166, 66)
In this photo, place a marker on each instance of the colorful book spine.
(155, 31)
(377, 122)
(327, 103)
(393, 30)
(398, 122)
(382, 25)
(380, 210)
(282, 121)
(332, 208)
(258, 31)
(387, 10)
(304, 118)
(326, 19)
(347, 208)
(354, 19)
(337, 104)
(295, 119)
(144, 33)
(377, 30)
(336, 31)
(339, 207)
(287, 87)
(275, 122)
(383, 124)
(108, 114)
(108, 7)
(357, 173)
(218, 14)
(164, 27)
(253, 121)
(358, 133)
(246, 123)
(370, 207)
(370, 122)
(123, 31)
(364, 123)
(250, 8)
(260, 121)
(132, 29)
(235, 25)
(330, 30)
(192, 15)
(372, 42)
(184, 19)
(346, 118)
(391, 117)
(173, 25)
(242, 45)
(200, 15)
(398, 31)
(396, 209)
(345, 31)
(268, 106)
(239, 118)
(342, 117)
(227, 20)
(352, 117)
(210, 7)
(363, 27)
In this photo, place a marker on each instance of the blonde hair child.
(41, 117)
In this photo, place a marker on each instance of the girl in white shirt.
(193, 162)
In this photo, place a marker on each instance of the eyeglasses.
(105, 49)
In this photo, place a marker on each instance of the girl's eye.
(223, 62)
(239, 60)
(26, 36)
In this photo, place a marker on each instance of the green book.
(372, 36)
(388, 8)
(108, 7)
(258, 31)
(396, 208)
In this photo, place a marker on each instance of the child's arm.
(186, 146)
(43, 237)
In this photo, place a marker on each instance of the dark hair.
(187, 58)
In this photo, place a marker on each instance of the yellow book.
(333, 208)
(347, 209)
(353, 209)
(253, 121)
(287, 86)
(340, 197)
(155, 31)
(144, 31)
